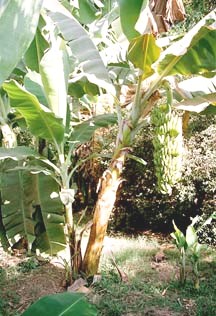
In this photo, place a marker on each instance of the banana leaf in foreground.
(62, 304)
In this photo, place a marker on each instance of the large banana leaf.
(36, 162)
(3, 236)
(83, 86)
(129, 15)
(121, 73)
(40, 120)
(84, 131)
(198, 86)
(18, 192)
(18, 20)
(87, 11)
(199, 95)
(62, 304)
(143, 52)
(195, 53)
(33, 83)
(17, 153)
(198, 104)
(37, 48)
(82, 47)
(54, 70)
(52, 212)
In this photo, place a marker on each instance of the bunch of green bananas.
(167, 142)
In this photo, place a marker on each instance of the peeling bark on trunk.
(109, 184)
(9, 137)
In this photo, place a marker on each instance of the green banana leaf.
(40, 190)
(197, 86)
(179, 237)
(33, 83)
(143, 52)
(121, 73)
(52, 212)
(129, 15)
(17, 153)
(199, 93)
(82, 47)
(3, 236)
(210, 110)
(41, 122)
(37, 48)
(197, 104)
(36, 162)
(18, 20)
(79, 88)
(54, 69)
(195, 53)
(84, 131)
(191, 236)
(18, 193)
(87, 11)
(62, 304)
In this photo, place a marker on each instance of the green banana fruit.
(167, 142)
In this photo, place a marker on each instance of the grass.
(8, 297)
(153, 288)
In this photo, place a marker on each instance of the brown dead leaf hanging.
(166, 13)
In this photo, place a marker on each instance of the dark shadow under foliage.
(139, 205)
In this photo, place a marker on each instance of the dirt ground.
(24, 288)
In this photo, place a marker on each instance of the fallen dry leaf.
(77, 285)
(84, 289)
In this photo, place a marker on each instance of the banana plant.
(194, 252)
(190, 248)
(188, 56)
(42, 102)
(182, 245)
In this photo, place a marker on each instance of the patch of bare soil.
(44, 280)
(159, 312)
(166, 271)
(20, 289)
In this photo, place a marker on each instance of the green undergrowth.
(153, 286)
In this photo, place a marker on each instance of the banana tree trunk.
(74, 249)
(9, 137)
(109, 184)
(111, 179)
